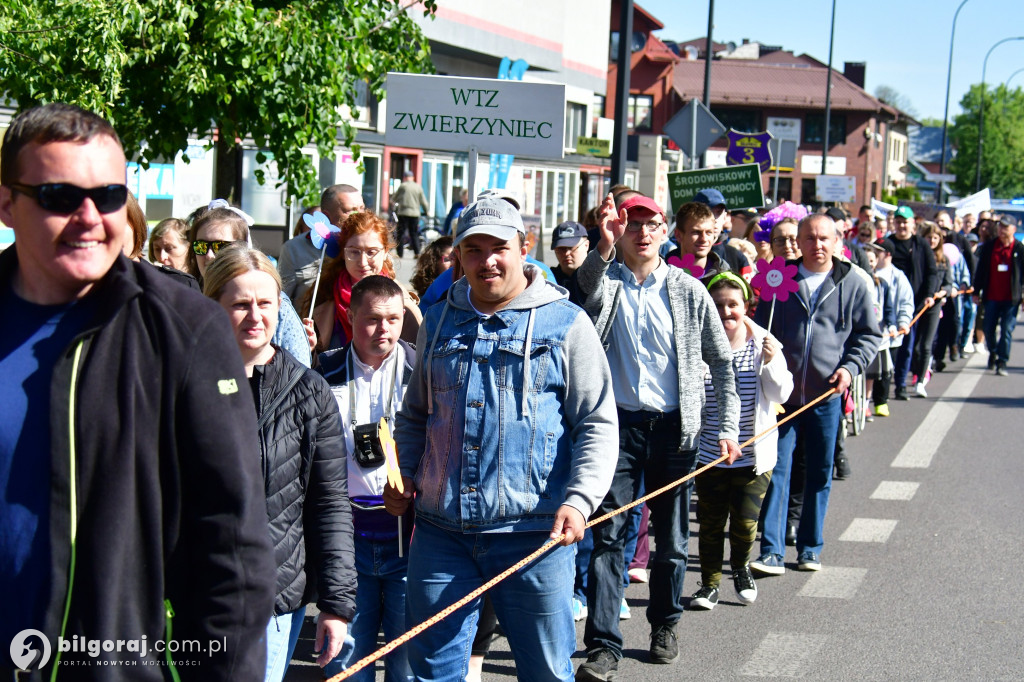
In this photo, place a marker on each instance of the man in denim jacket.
(507, 436)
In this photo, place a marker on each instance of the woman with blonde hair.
(365, 242)
(304, 469)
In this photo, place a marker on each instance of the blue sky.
(904, 42)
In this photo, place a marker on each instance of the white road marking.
(917, 453)
(834, 582)
(895, 490)
(784, 654)
(868, 530)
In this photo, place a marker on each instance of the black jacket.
(305, 479)
(985, 264)
(151, 459)
(922, 273)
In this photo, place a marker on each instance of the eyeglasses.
(65, 198)
(355, 254)
(782, 241)
(201, 247)
(652, 226)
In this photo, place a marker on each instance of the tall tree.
(895, 98)
(1002, 162)
(282, 73)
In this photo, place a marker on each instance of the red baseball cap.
(640, 201)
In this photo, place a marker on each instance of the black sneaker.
(705, 598)
(842, 467)
(664, 647)
(991, 360)
(901, 393)
(600, 666)
(746, 588)
(1001, 370)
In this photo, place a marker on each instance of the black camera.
(369, 451)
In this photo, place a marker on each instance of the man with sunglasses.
(128, 491)
(659, 327)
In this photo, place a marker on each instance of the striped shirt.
(746, 385)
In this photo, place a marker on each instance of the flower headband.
(222, 203)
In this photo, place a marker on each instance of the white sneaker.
(969, 348)
(919, 391)
(637, 575)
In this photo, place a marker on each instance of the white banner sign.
(880, 208)
(495, 116)
(841, 188)
(810, 164)
(975, 203)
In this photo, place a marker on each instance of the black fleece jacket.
(154, 465)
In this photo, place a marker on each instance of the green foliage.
(931, 122)
(281, 73)
(1002, 163)
(907, 193)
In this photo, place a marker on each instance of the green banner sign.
(741, 186)
(592, 146)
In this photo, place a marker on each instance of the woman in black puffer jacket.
(304, 469)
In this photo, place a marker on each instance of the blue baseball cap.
(710, 197)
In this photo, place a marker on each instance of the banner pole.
(471, 182)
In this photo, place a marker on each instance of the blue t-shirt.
(34, 337)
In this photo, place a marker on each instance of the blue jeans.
(380, 603)
(970, 311)
(583, 549)
(534, 605)
(647, 450)
(282, 636)
(819, 427)
(1003, 314)
(901, 363)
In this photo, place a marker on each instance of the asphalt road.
(922, 567)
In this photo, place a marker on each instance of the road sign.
(694, 128)
(783, 154)
(748, 148)
(741, 186)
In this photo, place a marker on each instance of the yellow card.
(390, 457)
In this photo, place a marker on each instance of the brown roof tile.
(752, 83)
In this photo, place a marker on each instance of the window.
(638, 43)
(808, 191)
(745, 121)
(814, 129)
(597, 111)
(639, 115)
(575, 115)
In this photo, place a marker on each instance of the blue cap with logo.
(569, 233)
(710, 197)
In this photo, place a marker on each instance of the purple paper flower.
(786, 209)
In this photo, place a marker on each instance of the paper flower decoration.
(686, 262)
(775, 280)
(763, 235)
(786, 209)
(321, 230)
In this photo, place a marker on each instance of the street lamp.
(1012, 75)
(945, 112)
(981, 112)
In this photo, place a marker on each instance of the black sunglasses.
(201, 247)
(64, 198)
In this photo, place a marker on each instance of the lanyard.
(352, 388)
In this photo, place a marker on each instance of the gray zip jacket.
(839, 332)
(699, 339)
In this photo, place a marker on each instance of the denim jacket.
(486, 455)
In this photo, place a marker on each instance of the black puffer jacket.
(306, 486)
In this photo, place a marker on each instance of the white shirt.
(642, 346)
(371, 388)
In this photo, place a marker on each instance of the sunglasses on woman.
(65, 198)
(201, 247)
